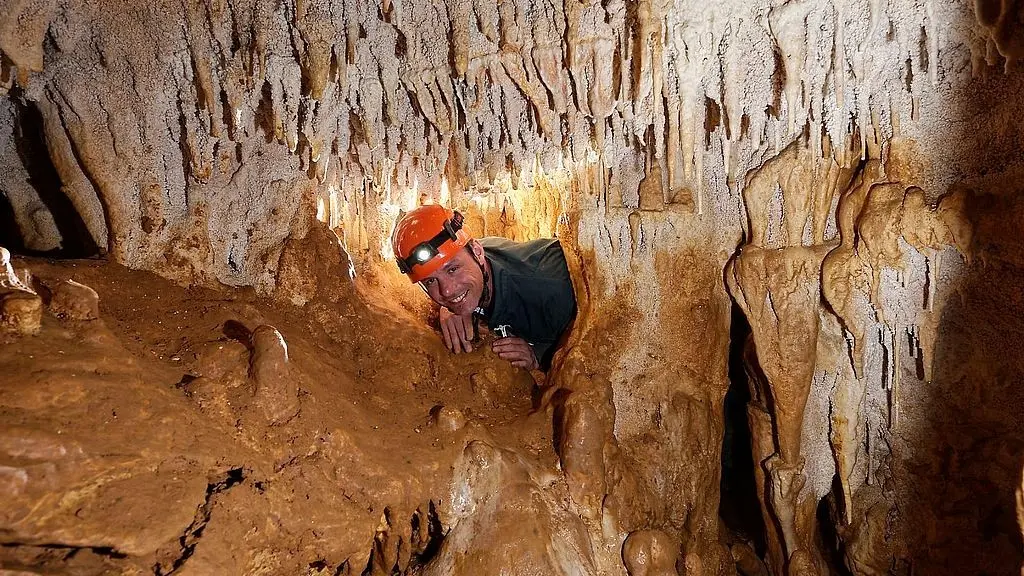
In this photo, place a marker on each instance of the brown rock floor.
(134, 443)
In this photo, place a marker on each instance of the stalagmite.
(276, 394)
(581, 452)
(20, 306)
(650, 553)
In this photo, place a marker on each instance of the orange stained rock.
(584, 433)
(650, 553)
(276, 393)
(778, 291)
(75, 301)
(20, 307)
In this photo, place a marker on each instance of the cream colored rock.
(20, 308)
(650, 553)
(74, 301)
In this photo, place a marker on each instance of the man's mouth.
(459, 298)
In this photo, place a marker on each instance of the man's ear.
(478, 251)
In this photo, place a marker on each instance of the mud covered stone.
(74, 301)
(276, 393)
(447, 419)
(650, 553)
(20, 312)
(20, 307)
(747, 562)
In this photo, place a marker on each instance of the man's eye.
(452, 270)
(428, 282)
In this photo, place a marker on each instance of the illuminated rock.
(20, 307)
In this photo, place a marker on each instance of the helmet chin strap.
(486, 296)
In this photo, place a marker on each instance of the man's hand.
(457, 331)
(517, 351)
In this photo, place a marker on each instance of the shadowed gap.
(10, 235)
(830, 541)
(30, 142)
(739, 508)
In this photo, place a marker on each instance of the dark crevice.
(9, 233)
(830, 542)
(190, 538)
(30, 143)
(69, 550)
(435, 536)
(740, 508)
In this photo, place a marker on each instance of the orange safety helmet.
(426, 238)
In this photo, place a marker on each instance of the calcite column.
(775, 278)
(643, 376)
(778, 290)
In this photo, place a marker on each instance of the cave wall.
(847, 172)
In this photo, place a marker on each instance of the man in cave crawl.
(521, 290)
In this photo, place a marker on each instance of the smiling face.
(459, 284)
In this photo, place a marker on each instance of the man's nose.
(446, 288)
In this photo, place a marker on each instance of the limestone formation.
(447, 420)
(841, 177)
(20, 307)
(650, 553)
(747, 561)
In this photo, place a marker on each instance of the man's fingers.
(509, 343)
(462, 342)
(515, 350)
(460, 336)
(446, 336)
(512, 356)
(457, 332)
(518, 358)
(467, 331)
